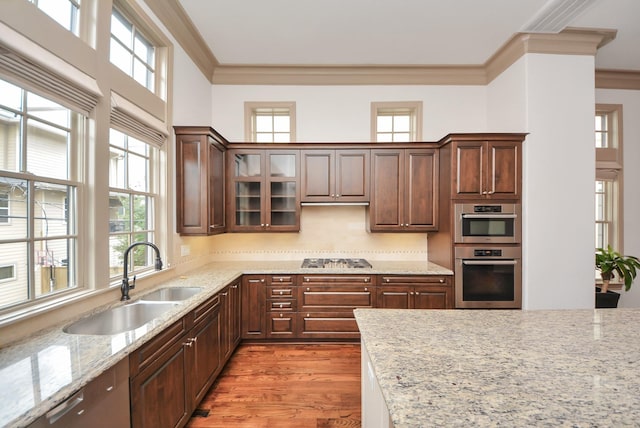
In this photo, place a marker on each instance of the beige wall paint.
(325, 231)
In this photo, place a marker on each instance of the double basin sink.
(132, 315)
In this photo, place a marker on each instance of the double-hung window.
(608, 185)
(132, 200)
(39, 142)
(396, 122)
(270, 122)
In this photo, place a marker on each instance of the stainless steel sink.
(171, 294)
(119, 319)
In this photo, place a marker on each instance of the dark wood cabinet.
(230, 319)
(170, 374)
(415, 292)
(281, 306)
(340, 175)
(200, 175)
(404, 190)
(264, 191)
(486, 169)
(254, 301)
(326, 304)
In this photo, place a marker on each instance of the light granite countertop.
(569, 368)
(43, 370)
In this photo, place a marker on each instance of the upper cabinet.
(486, 169)
(263, 189)
(404, 190)
(340, 175)
(200, 153)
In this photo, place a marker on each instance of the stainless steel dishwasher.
(103, 402)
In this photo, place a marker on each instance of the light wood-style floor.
(285, 386)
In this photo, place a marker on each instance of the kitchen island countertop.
(41, 371)
(578, 368)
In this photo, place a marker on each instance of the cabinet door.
(216, 190)
(281, 325)
(503, 170)
(421, 190)
(468, 169)
(283, 211)
(246, 205)
(432, 297)
(352, 175)
(328, 325)
(386, 211)
(317, 175)
(191, 178)
(394, 297)
(254, 301)
(230, 320)
(159, 397)
(204, 345)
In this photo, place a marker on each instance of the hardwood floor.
(285, 386)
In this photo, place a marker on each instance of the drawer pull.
(441, 280)
(281, 293)
(281, 279)
(387, 280)
(189, 344)
(366, 289)
(281, 315)
(308, 289)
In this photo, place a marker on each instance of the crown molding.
(348, 75)
(571, 41)
(618, 79)
(174, 17)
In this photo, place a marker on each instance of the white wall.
(343, 113)
(630, 101)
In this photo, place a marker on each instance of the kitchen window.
(131, 51)
(132, 197)
(270, 122)
(608, 185)
(396, 122)
(39, 140)
(64, 12)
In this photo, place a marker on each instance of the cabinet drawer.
(347, 296)
(337, 279)
(281, 279)
(282, 325)
(206, 308)
(328, 324)
(148, 352)
(414, 280)
(280, 291)
(281, 305)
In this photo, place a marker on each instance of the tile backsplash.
(325, 231)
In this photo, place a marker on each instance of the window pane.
(281, 138)
(264, 123)
(116, 168)
(47, 110)
(141, 73)
(51, 272)
(10, 96)
(14, 290)
(385, 124)
(264, 137)
(7, 272)
(385, 138)
(120, 57)
(401, 137)
(119, 209)
(281, 124)
(121, 29)
(402, 124)
(117, 246)
(15, 227)
(141, 220)
(47, 150)
(64, 12)
(9, 140)
(137, 146)
(138, 173)
(50, 210)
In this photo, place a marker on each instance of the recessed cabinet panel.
(335, 175)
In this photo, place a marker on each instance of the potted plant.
(610, 262)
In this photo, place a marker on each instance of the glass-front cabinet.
(265, 190)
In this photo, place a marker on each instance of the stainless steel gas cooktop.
(335, 263)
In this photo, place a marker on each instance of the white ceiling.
(392, 32)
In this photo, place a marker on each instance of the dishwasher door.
(103, 402)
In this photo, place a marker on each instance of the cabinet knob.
(307, 279)
(401, 224)
(281, 293)
(308, 289)
(281, 315)
(387, 280)
(267, 225)
(441, 280)
(338, 195)
(366, 280)
(281, 279)
(366, 289)
(189, 344)
(224, 294)
(333, 195)
(262, 280)
(308, 315)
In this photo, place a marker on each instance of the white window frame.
(399, 108)
(13, 268)
(609, 170)
(252, 109)
(74, 20)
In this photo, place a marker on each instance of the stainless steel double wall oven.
(488, 255)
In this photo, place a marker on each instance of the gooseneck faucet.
(125, 287)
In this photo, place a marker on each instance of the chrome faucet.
(125, 287)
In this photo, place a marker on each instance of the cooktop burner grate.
(340, 263)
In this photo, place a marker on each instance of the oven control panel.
(487, 253)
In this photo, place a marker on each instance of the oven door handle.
(478, 215)
(489, 262)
